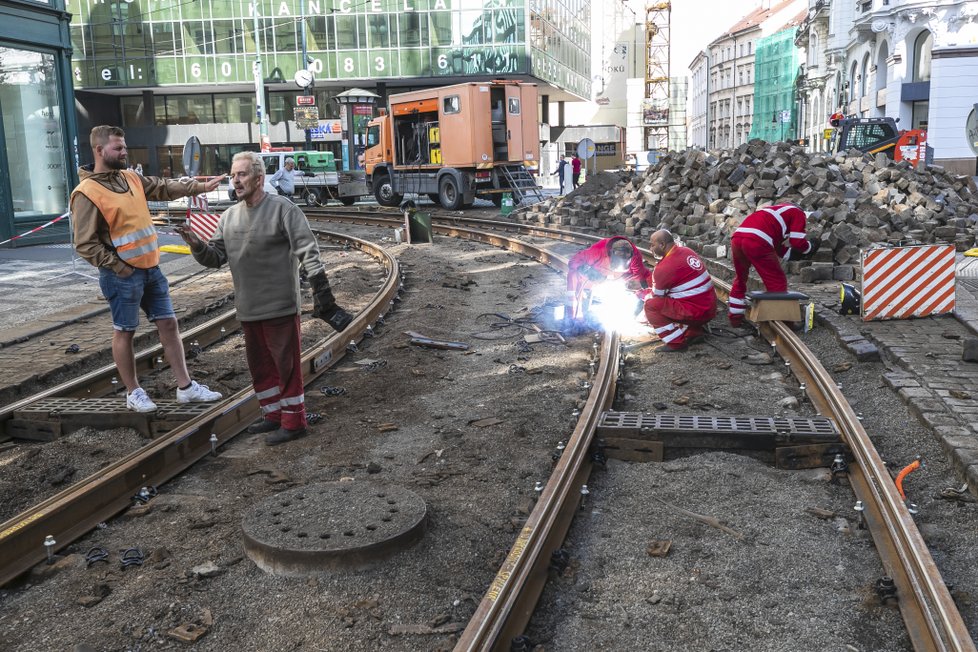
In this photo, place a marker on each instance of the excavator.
(880, 136)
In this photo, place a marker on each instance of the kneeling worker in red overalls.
(613, 259)
(683, 299)
(759, 241)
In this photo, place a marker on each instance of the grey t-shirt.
(263, 245)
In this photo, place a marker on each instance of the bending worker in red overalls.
(683, 299)
(759, 241)
(611, 259)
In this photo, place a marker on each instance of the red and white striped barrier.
(202, 222)
(905, 282)
(36, 229)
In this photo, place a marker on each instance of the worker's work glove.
(796, 254)
(590, 273)
(815, 246)
(324, 305)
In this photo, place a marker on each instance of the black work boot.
(283, 435)
(263, 425)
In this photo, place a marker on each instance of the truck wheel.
(448, 194)
(348, 201)
(497, 199)
(384, 191)
(311, 197)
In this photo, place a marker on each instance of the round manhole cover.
(331, 525)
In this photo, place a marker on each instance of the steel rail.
(932, 619)
(71, 513)
(98, 381)
(508, 604)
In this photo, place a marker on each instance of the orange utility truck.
(456, 143)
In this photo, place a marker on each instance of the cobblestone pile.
(855, 200)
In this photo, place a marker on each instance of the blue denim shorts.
(146, 289)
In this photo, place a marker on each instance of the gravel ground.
(34, 471)
(471, 432)
(795, 580)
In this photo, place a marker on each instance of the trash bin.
(507, 205)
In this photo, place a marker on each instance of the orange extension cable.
(907, 470)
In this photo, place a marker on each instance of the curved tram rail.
(930, 614)
(73, 512)
(932, 619)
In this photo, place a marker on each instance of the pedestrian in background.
(284, 180)
(263, 238)
(576, 169)
(114, 232)
(561, 172)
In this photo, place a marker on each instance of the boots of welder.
(324, 305)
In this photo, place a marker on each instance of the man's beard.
(114, 164)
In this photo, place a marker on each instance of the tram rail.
(931, 617)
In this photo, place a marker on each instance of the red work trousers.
(676, 321)
(273, 348)
(748, 250)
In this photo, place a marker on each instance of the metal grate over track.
(786, 428)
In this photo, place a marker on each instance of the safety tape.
(36, 229)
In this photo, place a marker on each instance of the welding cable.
(907, 470)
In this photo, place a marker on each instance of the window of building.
(379, 30)
(852, 81)
(189, 109)
(864, 76)
(235, 108)
(918, 119)
(921, 56)
(131, 109)
(412, 30)
(32, 124)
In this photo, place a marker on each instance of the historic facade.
(723, 90)
(915, 61)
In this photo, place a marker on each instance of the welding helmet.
(621, 255)
(849, 300)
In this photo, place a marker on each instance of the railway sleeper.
(798, 442)
(50, 418)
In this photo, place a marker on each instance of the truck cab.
(870, 135)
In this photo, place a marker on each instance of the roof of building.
(757, 17)
(796, 20)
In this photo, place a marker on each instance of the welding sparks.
(617, 308)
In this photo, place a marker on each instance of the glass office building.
(166, 63)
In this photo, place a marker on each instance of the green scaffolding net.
(776, 64)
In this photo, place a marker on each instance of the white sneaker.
(139, 401)
(197, 393)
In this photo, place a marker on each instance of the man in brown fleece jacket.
(114, 232)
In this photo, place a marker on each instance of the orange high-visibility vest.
(130, 225)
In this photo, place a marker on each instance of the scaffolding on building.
(656, 114)
(776, 66)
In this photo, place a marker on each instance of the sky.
(695, 23)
